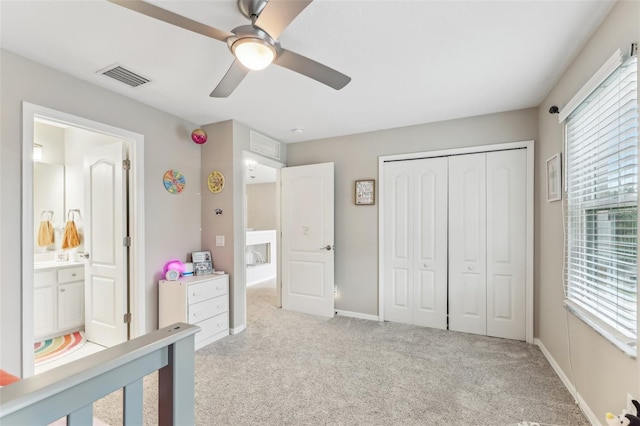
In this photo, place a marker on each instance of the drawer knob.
(73, 275)
(62, 290)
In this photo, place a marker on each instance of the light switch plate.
(219, 240)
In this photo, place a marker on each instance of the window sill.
(625, 344)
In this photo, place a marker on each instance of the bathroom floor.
(87, 348)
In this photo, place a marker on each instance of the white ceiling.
(411, 62)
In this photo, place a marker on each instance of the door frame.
(274, 164)
(135, 143)
(529, 145)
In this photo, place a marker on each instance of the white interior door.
(506, 237)
(415, 249)
(467, 244)
(105, 228)
(307, 218)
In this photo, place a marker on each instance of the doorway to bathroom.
(82, 257)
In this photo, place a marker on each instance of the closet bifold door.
(415, 252)
(467, 244)
(506, 239)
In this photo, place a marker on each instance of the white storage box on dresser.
(201, 300)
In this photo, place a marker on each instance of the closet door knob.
(470, 268)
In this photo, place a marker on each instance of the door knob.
(470, 268)
(328, 247)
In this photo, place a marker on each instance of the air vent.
(125, 76)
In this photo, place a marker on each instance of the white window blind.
(601, 201)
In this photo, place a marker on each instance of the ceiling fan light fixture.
(254, 53)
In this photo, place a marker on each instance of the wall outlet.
(219, 240)
(631, 409)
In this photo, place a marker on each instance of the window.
(602, 206)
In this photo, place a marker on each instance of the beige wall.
(261, 206)
(172, 221)
(356, 157)
(603, 374)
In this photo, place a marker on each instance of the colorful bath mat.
(56, 347)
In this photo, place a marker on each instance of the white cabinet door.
(467, 244)
(70, 305)
(44, 303)
(506, 236)
(415, 240)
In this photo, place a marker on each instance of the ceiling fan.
(254, 46)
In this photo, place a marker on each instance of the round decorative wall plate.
(215, 182)
(174, 181)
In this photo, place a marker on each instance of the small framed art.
(202, 262)
(365, 192)
(554, 178)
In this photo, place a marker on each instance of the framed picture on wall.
(365, 192)
(554, 178)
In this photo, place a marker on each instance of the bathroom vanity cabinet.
(58, 300)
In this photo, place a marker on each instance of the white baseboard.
(357, 315)
(238, 330)
(593, 419)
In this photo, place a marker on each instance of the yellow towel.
(71, 238)
(45, 234)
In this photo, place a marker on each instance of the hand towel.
(71, 238)
(45, 234)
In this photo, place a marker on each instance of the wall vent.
(260, 144)
(124, 75)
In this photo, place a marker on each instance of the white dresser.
(201, 301)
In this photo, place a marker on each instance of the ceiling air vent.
(123, 75)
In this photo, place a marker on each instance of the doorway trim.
(529, 145)
(30, 112)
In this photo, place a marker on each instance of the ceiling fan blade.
(312, 69)
(230, 81)
(278, 14)
(172, 18)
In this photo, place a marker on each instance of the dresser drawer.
(212, 326)
(208, 308)
(41, 279)
(71, 274)
(207, 290)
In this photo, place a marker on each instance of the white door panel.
(307, 231)
(467, 243)
(506, 236)
(415, 238)
(430, 285)
(104, 224)
(398, 244)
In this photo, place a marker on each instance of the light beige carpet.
(294, 369)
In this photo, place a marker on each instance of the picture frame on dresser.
(202, 262)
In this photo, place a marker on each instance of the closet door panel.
(467, 243)
(506, 238)
(398, 243)
(430, 291)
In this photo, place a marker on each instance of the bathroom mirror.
(48, 195)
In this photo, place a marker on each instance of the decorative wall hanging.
(554, 178)
(365, 192)
(174, 181)
(215, 182)
(199, 136)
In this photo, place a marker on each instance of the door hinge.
(634, 49)
(126, 164)
(127, 318)
(126, 241)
